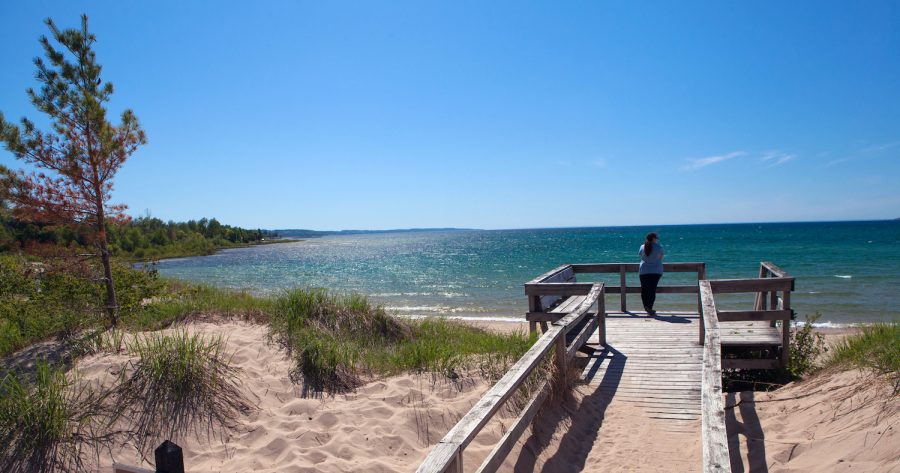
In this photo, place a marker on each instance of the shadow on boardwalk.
(580, 436)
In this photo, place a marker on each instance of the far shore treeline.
(143, 238)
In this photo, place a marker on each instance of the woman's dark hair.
(648, 245)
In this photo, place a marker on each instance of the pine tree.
(82, 152)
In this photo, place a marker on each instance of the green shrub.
(807, 346)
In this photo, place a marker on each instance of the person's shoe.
(651, 311)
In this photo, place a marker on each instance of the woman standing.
(651, 270)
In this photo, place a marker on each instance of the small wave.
(844, 276)
(420, 308)
(480, 318)
(826, 324)
(420, 294)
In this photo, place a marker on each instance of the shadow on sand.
(585, 419)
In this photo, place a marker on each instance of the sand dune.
(387, 425)
(832, 422)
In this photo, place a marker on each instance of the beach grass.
(338, 341)
(875, 347)
(48, 422)
(179, 382)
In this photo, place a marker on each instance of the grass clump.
(48, 423)
(340, 340)
(179, 383)
(876, 347)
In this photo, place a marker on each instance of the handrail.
(447, 454)
(714, 436)
(552, 282)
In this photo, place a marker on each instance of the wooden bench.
(556, 294)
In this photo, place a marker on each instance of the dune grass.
(876, 347)
(179, 383)
(49, 423)
(338, 341)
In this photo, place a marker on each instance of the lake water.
(847, 271)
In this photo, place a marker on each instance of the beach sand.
(832, 422)
(387, 425)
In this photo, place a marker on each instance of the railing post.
(701, 276)
(786, 332)
(760, 302)
(532, 307)
(622, 286)
(561, 360)
(601, 315)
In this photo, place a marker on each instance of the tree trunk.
(112, 306)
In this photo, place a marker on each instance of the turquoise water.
(847, 271)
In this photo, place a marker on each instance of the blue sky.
(332, 115)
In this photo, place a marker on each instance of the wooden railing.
(447, 455)
(549, 288)
(774, 281)
(713, 434)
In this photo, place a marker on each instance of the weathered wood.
(495, 459)
(601, 322)
(623, 286)
(759, 300)
(731, 286)
(550, 274)
(713, 434)
(681, 289)
(773, 269)
(558, 289)
(122, 468)
(786, 332)
(451, 446)
(581, 338)
(741, 315)
(748, 364)
(634, 267)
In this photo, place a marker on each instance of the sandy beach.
(831, 420)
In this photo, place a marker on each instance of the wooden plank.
(773, 269)
(558, 289)
(786, 332)
(123, 468)
(731, 363)
(542, 316)
(623, 287)
(462, 433)
(681, 289)
(450, 447)
(713, 434)
(569, 304)
(582, 338)
(732, 286)
(495, 459)
(549, 274)
(753, 315)
(680, 267)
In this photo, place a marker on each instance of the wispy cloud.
(697, 163)
(775, 158)
(597, 162)
(880, 148)
(864, 153)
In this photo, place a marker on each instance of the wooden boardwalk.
(667, 367)
(656, 362)
(653, 362)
